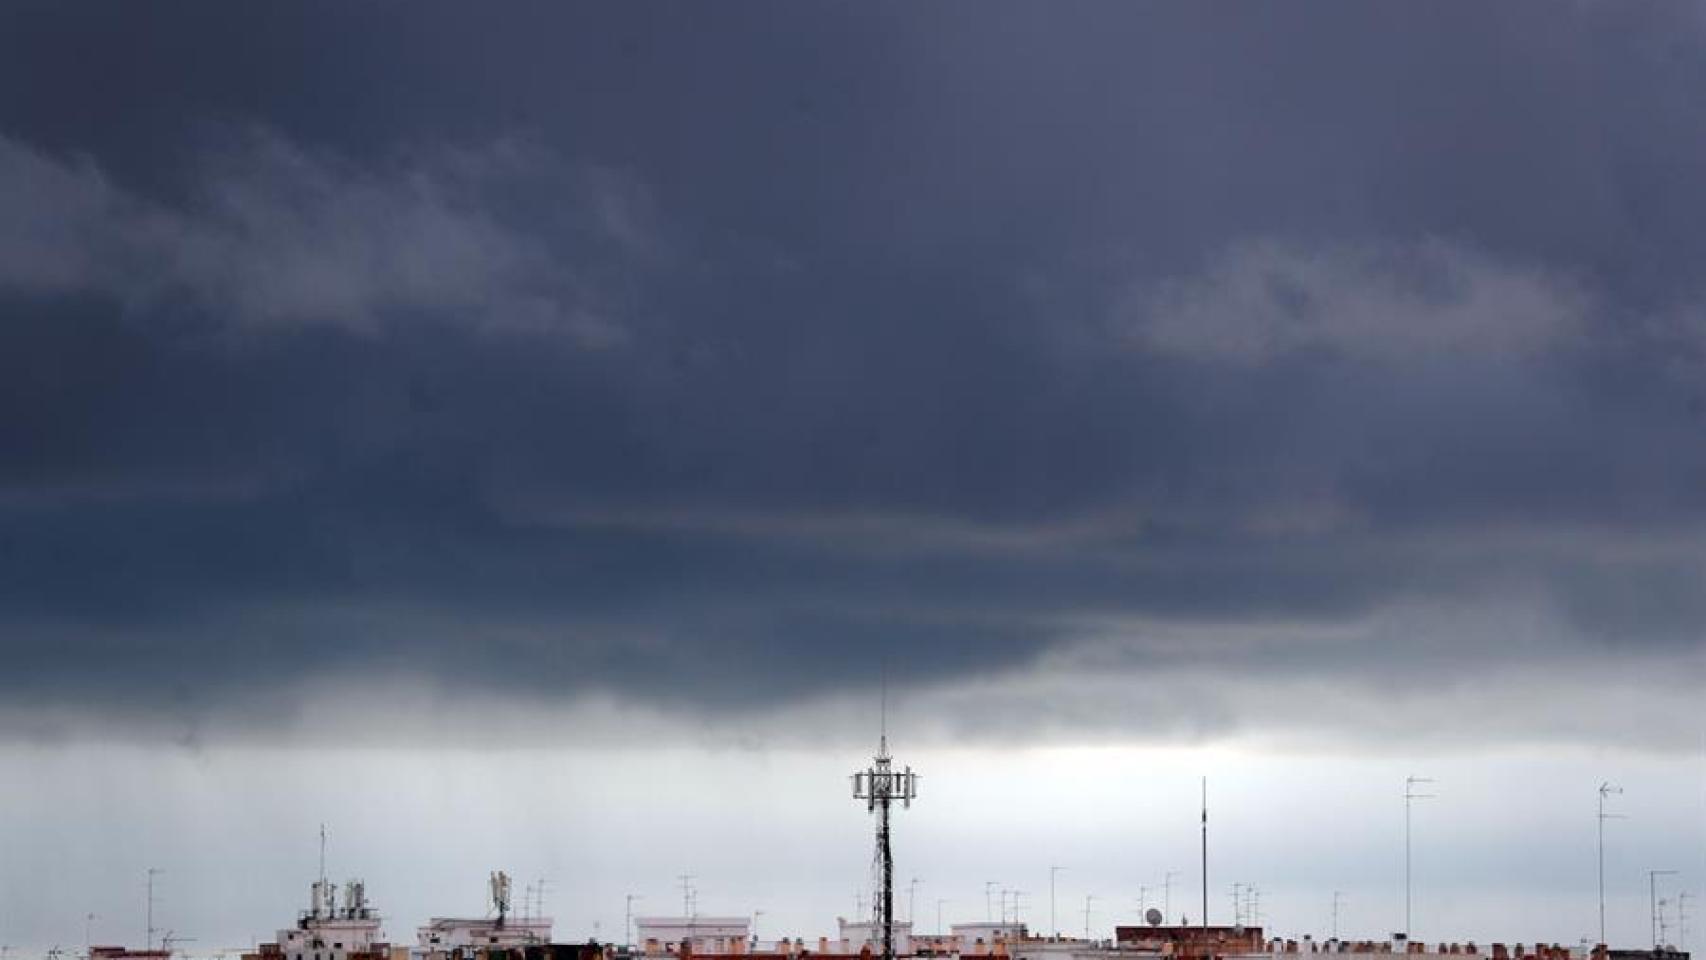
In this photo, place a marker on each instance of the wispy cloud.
(277, 233)
(1264, 299)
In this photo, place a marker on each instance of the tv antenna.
(686, 882)
(881, 786)
(1053, 928)
(148, 937)
(1653, 893)
(1606, 789)
(628, 919)
(1410, 796)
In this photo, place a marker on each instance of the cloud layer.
(719, 369)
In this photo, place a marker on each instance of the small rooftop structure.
(126, 953)
(699, 935)
(1192, 941)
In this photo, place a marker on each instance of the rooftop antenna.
(686, 881)
(1167, 893)
(1337, 898)
(1653, 893)
(939, 902)
(1053, 928)
(355, 900)
(1089, 898)
(1682, 918)
(500, 894)
(1205, 853)
(1606, 789)
(1410, 796)
(148, 937)
(881, 786)
(628, 919)
(912, 901)
(988, 910)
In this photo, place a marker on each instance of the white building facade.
(664, 936)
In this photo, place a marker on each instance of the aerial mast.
(881, 786)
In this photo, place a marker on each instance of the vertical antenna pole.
(1410, 795)
(1606, 789)
(628, 920)
(148, 937)
(1053, 927)
(1653, 894)
(1205, 853)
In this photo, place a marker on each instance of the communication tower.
(881, 786)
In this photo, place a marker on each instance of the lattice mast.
(881, 786)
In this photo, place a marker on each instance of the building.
(1191, 941)
(979, 939)
(856, 935)
(326, 932)
(125, 953)
(468, 936)
(671, 936)
(1058, 948)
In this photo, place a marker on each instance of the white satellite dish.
(1153, 916)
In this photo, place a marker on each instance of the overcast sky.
(529, 437)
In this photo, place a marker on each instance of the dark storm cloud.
(700, 354)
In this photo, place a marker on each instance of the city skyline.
(545, 438)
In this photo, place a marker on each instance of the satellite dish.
(1153, 916)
